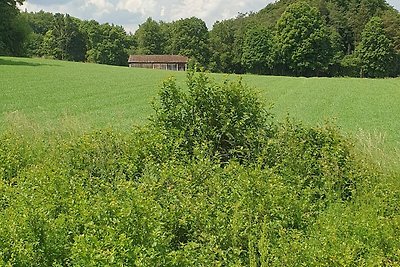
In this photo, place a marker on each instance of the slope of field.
(49, 92)
(368, 108)
(53, 93)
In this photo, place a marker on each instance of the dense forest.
(359, 38)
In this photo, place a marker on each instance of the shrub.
(226, 119)
(320, 157)
(14, 155)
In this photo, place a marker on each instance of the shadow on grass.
(10, 62)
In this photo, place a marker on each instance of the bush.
(15, 155)
(320, 157)
(227, 120)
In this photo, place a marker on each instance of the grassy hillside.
(359, 106)
(48, 92)
(54, 93)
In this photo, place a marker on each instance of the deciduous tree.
(150, 38)
(258, 51)
(189, 37)
(304, 45)
(64, 40)
(13, 28)
(222, 41)
(375, 50)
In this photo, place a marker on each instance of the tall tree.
(40, 23)
(391, 22)
(226, 41)
(361, 11)
(109, 45)
(222, 39)
(375, 50)
(338, 19)
(13, 28)
(150, 38)
(304, 46)
(64, 41)
(259, 51)
(189, 37)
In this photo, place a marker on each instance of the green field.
(53, 94)
(211, 182)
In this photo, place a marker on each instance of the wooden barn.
(162, 62)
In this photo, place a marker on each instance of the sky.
(131, 13)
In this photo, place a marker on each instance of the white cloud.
(131, 13)
(162, 12)
(394, 3)
(103, 6)
(139, 10)
(142, 7)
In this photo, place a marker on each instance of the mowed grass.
(55, 94)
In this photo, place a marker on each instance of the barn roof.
(157, 59)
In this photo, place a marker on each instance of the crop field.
(52, 94)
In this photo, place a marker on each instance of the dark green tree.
(259, 51)
(304, 46)
(109, 46)
(92, 31)
(222, 40)
(340, 25)
(189, 37)
(375, 50)
(391, 22)
(40, 23)
(150, 38)
(360, 12)
(64, 41)
(225, 43)
(13, 28)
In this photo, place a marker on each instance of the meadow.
(56, 94)
(212, 180)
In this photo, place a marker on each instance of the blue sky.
(131, 13)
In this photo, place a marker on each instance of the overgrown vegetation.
(213, 180)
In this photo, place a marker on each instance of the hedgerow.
(213, 180)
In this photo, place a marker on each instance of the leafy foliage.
(259, 51)
(189, 37)
(64, 41)
(304, 45)
(150, 38)
(222, 39)
(108, 46)
(288, 37)
(227, 119)
(375, 51)
(64, 37)
(13, 28)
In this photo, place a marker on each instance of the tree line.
(359, 38)
(61, 36)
